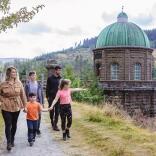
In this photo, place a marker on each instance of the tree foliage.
(10, 19)
(94, 93)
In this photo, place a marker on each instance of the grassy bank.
(106, 131)
(109, 131)
(1, 126)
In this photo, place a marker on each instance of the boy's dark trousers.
(10, 119)
(66, 114)
(54, 113)
(39, 122)
(32, 128)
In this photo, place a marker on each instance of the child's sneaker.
(31, 143)
(38, 132)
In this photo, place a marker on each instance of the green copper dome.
(122, 33)
(122, 14)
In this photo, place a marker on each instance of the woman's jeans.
(10, 120)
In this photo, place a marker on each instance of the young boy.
(33, 108)
(33, 86)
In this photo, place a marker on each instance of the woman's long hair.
(8, 73)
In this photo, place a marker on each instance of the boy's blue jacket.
(40, 95)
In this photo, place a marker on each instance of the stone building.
(123, 61)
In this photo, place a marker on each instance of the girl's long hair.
(8, 73)
(64, 82)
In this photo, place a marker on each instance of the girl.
(64, 95)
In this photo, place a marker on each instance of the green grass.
(111, 132)
(1, 126)
(123, 129)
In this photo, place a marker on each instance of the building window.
(114, 71)
(137, 71)
(98, 55)
(98, 69)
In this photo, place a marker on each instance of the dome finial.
(122, 8)
(122, 17)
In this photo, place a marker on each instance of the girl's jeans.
(66, 114)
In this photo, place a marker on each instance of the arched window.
(137, 71)
(114, 71)
(98, 68)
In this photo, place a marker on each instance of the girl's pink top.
(65, 96)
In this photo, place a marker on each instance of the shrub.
(94, 93)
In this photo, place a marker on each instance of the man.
(51, 90)
(32, 86)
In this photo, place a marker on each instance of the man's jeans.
(54, 113)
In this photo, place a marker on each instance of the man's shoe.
(64, 137)
(56, 129)
(9, 147)
(68, 133)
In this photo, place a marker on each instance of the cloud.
(143, 19)
(10, 41)
(40, 28)
(34, 28)
(72, 31)
(108, 17)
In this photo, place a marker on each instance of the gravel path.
(44, 145)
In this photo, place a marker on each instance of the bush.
(94, 93)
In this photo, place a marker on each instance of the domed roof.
(122, 33)
(122, 14)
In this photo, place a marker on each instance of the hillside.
(84, 48)
(67, 54)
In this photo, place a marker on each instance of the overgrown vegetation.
(111, 131)
(1, 126)
(24, 67)
(87, 79)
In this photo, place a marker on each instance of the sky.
(63, 22)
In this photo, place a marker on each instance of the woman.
(13, 99)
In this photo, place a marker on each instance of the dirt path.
(44, 145)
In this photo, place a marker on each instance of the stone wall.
(132, 101)
(132, 95)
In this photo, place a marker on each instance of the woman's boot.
(68, 133)
(64, 136)
(9, 147)
(12, 142)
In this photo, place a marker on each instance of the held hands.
(24, 110)
(50, 108)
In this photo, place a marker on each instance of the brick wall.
(126, 58)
